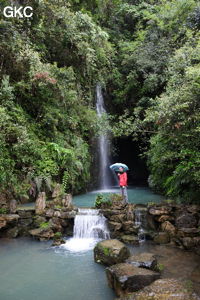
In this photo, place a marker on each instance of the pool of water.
(34, 270)
(135, 195)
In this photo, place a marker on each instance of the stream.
(35, 270)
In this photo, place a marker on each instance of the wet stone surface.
(174, 263)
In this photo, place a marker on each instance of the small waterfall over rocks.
(89, 227)
(140, 221)
(89, 223)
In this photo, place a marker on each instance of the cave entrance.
(127, 151)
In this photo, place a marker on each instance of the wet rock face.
(110, 252)
(163, 289)
(143, 260)
(125, 278)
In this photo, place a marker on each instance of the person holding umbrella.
(122, 175)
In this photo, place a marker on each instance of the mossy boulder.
(110, 252)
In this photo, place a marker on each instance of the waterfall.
(89, 223)
(140, 220)
(103, 145)
(89, 227)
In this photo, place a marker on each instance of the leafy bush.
(57, 235)
(102, 201)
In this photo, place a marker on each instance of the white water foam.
(89, 228)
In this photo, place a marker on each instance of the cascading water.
(103, 145)
(140, 218)
(89, 223)
(89, 227)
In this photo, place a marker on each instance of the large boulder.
(110, 252)
(168, 227)
(143, 260)
(125, 278)
(186, 220)
(163, 289)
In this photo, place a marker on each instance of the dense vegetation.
(147, 56)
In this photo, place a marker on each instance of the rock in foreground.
(125, 278)
(143, 260)
(163, 289)
(110, 252)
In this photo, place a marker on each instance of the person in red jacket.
(123, 184)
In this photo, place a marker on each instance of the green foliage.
(44, 225)
(106, 251)
(145, 53)
(157, 81)
(57, 235)
(47, 79)
(3, 210)
(102, 201)
(160, 267)
(174, 154)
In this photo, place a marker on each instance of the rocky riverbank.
(143, 275)
(163, 223)
(47, 220)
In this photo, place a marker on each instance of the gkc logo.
(20, 12)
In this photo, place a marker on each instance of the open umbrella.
(115, 167)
